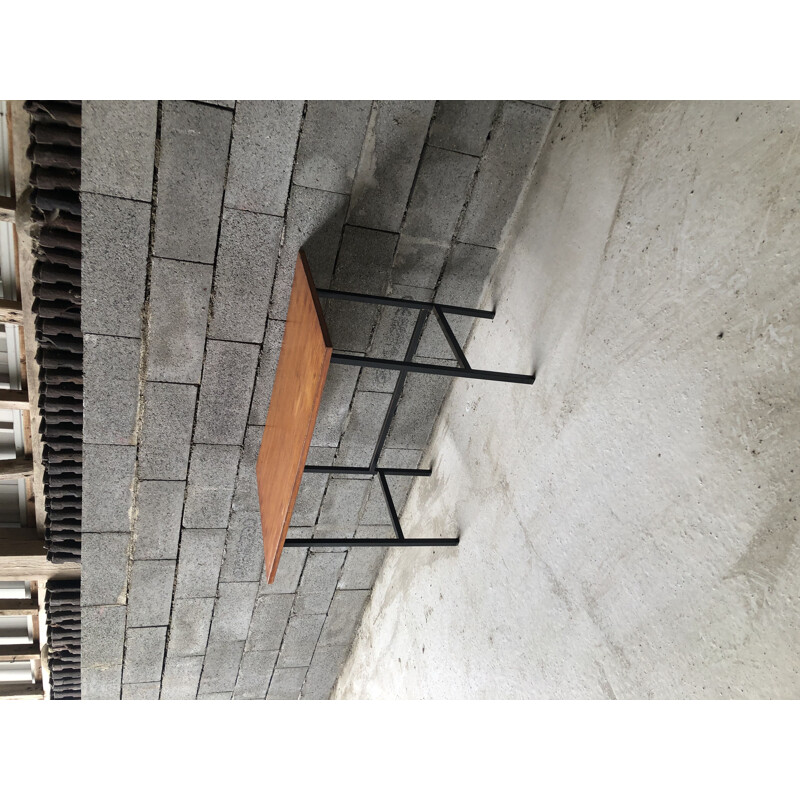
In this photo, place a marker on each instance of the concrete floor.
(629, 523)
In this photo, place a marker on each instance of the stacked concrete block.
(150, 593)
(212, 478)
(245, 269)
(393, 142)
(179, 296)
(233, 611)
(118, 151)
(115, 239)
(262, 155)
(118, 148)
(110, 388)
(102, 650)
(505, 165)
(463, 125)
(166, 437)
(199, 563)
(157, 527)
(184, 328)
(314, 221)
(224, 403)
(144, 655)
(189, 626)
(330, 146)
(195, 141)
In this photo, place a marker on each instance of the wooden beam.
(21, 691)
(8, 208)
(14, 398)
(14, 653)
(10, 312)
(19, 548)
(16, 468)
(19, 140)
(17, 608)
(25, 568)
(18, 535)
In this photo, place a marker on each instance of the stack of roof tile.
(55, 155)
(63, 609)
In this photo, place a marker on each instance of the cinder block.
(343, 618)
(245, 496)
(286, 683)
(337, 395)
(110, 389)
(391, 337)
(330, 144)
(141, 691)
(233, 612)
(262, 153)
(463, 125)
(363, 428)
(166, 431)
(318, 582)
(419, 406)
(215, 696)
(418, 262)
(341, 507)
(104, 568)
(118, 140)
(221, 667)
(179, 295)
(150, 593)
(364, 265)
(362, 565)
(144, 655)
(246, 258)
(323, 672)
(375, 510)
(181, 678)
(101, 683)
(440, 193)
(312, 488)
(392, 146)
(188, 633)
(467, 271)
(255, 672)
(107, 486)
(516, 140)
(159, 505)
(265, 376)
(287, 577)
(115, 241)
(314, 221)
(300, 640)
(191, 180)
(229, 373)
(270, 615)
(212, 477)
(102, 637)
(199, 563)
(244, 549)
(214, 466)
(222, 103)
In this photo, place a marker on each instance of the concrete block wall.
(193, 215)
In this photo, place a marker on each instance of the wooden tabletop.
(302, 369)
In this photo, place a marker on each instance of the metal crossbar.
(463, 370)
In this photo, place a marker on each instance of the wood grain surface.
(302, 369)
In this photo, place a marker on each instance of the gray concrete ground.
(629, 524)
(193, 213)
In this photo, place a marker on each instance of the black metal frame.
(463, 370)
